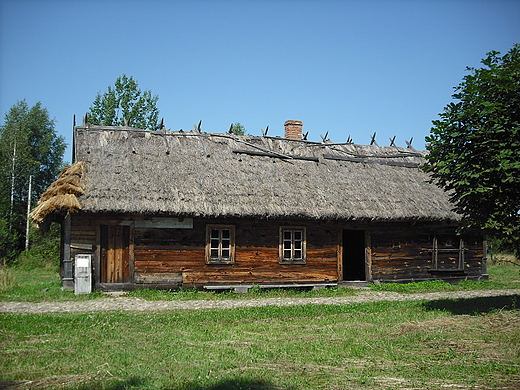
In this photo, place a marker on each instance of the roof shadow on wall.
(475, 306)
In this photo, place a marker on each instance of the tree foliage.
(125, 102)
(237, 129)
(474, 148)
(29, 146)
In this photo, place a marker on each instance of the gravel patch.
(119, 303)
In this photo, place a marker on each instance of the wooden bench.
(244, 288)
(448, 271)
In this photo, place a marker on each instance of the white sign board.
(83, 261)
(83, 274)
(164, 223)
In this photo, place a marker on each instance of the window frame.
(293, 240)
(448, 247)
(221, 238)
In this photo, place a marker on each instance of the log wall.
(401, 252)
(83, 240)
(182, 252)
(176, 256)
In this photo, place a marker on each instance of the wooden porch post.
(67, 269)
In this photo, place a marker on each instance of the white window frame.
(293, 245)
(220, 247)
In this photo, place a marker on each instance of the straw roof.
(222, 175)
(62, 194)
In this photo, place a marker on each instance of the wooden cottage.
(164, 209)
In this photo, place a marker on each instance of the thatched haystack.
(62, 194)
(133, 171)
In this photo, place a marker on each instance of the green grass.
(461, 344)
(40, 285)
(254, 293)
(384, 345)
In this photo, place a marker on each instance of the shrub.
(44, 251)
(8, 241)
(7, 281)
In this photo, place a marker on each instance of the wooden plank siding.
(176, 257)
(111, 251)
(405, 253)
(257, 257)
(84, 240)
(115, 254)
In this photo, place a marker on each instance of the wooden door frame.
(368, 252)
(98, 254)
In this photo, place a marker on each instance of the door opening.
(354, 264)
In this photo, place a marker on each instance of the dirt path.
(134, 304)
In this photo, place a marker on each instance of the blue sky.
(349, 68)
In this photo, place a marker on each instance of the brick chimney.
(293, 129)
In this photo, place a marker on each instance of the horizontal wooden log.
(267, 268)
(253, 258)
(81, 246)
(371, 160)
(158, 277)
(241, 277)
(273, 154)
(75, 251)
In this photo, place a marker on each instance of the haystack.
(62, 194)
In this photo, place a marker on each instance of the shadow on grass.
(69, 383)
(228, 384)
(127, 384)
(234, 384)
(475, 306)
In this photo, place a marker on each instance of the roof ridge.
(95, 128)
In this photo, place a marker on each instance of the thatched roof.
(214, 175)
(62, 194)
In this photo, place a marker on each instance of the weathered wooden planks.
(406, 253)
(128, 252)
(256, 254)
(115, 254)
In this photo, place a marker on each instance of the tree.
(125, 102)
(474, 148)
(29, 146)
(237, 129)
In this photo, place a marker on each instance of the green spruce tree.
(29, 147)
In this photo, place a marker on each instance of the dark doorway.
(354, 255)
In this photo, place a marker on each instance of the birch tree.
(29, 146)
(125, 104)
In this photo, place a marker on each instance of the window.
(292, 245)
(445, 256)
(220, 244)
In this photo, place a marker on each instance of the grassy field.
(40, 285)
(399, 345)
(444, 344)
